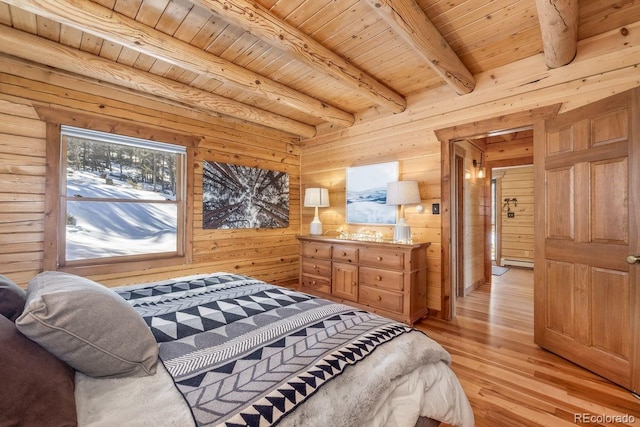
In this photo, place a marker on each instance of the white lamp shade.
(316, 197)
(403, 193)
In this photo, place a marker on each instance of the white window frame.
(111, 138)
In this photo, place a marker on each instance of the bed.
(229, 350)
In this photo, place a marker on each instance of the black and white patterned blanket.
(243, 352)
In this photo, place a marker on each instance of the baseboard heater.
(516, 262)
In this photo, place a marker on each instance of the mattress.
(403, 378)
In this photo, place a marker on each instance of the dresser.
(389, 279)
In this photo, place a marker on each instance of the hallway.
(509, 380)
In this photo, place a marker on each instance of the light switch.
(435, 208)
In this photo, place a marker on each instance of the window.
(121, 198)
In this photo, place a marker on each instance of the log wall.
(604, 65)
(473, 233)
(418, 154)
(517, 232)
(269, 254)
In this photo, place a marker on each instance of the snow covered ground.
(102, 229)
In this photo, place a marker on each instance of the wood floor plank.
(509, 380)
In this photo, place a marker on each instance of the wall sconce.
(316, 198)
(402, 193)
(478, 165)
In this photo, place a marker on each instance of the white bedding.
(379, 390)
(431, 390)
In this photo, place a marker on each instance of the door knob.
(633, 259)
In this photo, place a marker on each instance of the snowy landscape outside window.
(124, 196)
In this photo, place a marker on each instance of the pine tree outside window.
(121, 198)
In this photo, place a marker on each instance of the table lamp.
(316, 198)
(402, 193)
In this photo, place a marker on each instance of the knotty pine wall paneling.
(517, 233)
(268, 254)
(600, 69)
(324, 164)
(22, 189)
(475, 202)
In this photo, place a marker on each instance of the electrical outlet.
(511, 214)
(435, 208)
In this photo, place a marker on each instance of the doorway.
(474, 131)
(587, 297)
(469, 203)
(492, 208)
(495, 226)
(512, 214)
(460, 221)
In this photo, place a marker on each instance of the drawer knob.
(379, 298)
(379, 258)
(353, 283)
(378, 278)
(313, 282)
(315, 250)
(344, 254)
(315, 266)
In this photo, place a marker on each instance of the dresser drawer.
(316, 250)
(345, 253)
(318, 267)
(379, 298)
(378, 278)
(382, 259)
(316, 284)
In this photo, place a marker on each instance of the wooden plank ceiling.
(297, 65)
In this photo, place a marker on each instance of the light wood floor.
(508, 379)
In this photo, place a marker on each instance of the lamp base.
(315, 228)
(402, 232)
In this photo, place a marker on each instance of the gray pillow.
(12, 299)
(88, 326)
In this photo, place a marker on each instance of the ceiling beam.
(559, 26)
(43, 51)
(259, 21)
(409, 21)
(103, 22)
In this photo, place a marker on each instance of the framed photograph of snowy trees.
(235, 196)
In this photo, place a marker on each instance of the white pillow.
(88, 326)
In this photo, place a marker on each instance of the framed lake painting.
(367, 194)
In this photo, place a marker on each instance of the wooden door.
(587, 298)
(344, 281)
